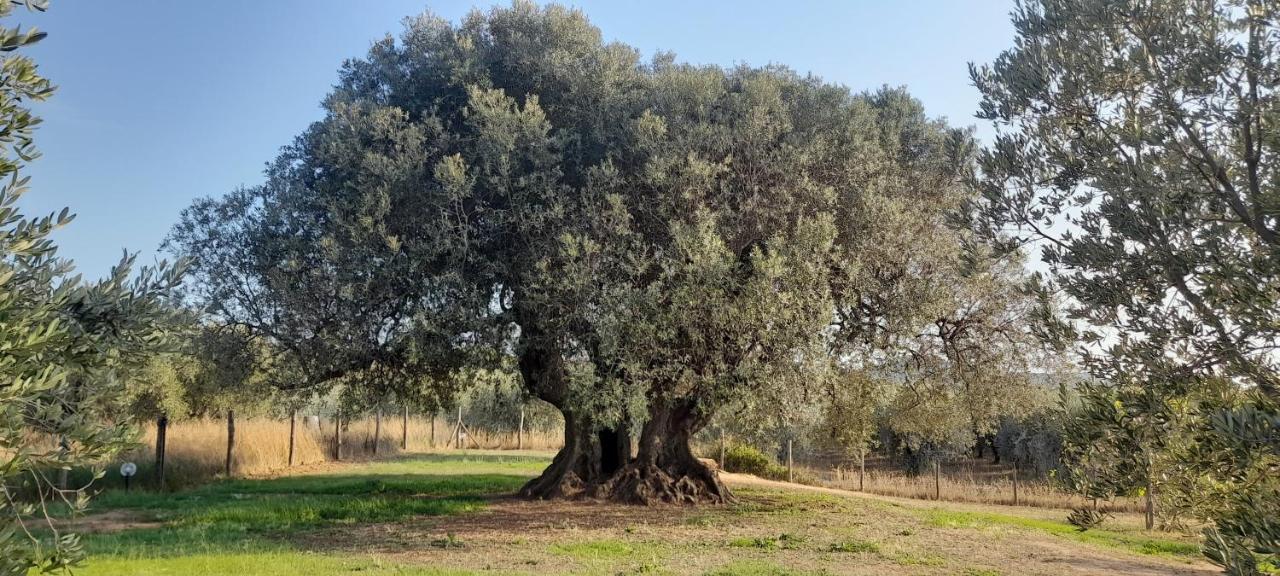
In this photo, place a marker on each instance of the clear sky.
(163, 101)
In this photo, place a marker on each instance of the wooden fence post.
(722, 466)
(231, 440)
(457, 431)
(337, 435)
(1150, 512)
(162, 432)
(293, 422)
(433, 429)
(937, 480)
(377, 428)
(404, 429)
(1015, 483)
(862, 467)
(64, 446)
(790, 475)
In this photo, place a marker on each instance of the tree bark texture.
(597, 461)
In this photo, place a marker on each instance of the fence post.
(862, 467)
(520, 430)
(790, 475)
(1015, 483)
(377, 428)
(337, 435)
(937, 480)
(457, 431)
(162, 431)
(64, 446)
(404, 429)
(1150, 510)
(721, 462)
(293, 422)
(231, 439)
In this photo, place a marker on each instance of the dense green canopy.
(1137, 144)
(650, 239)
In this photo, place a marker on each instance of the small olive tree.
(1136, 143)
(68, 343)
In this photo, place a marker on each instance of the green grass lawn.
(1122, 540)
(398, 517)
(240, 526)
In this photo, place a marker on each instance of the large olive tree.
(650, 240)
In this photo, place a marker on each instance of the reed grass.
(973, 484)
(196, 449)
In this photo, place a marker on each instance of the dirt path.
(110, 521)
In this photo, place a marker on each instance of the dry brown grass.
(972, 480)
(197, 448)
(976, 482)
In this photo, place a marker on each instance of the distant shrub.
(744, 459)
(1085, 518)
(747, 460)
(1033, 441)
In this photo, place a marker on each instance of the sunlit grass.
(235, 521)
(262, 564)
(759, 568)
(1152, 543)
(288, 525)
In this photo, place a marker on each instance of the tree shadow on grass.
(240, 516)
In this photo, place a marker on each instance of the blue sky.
(163, 101)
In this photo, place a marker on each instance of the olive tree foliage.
(1137, 144)
(931, 335)
(67, 342)
(1034, 440)
(647, 241)
(329, 264)
(850, 412)
(205, 371)
(496, 401)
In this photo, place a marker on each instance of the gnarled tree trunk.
(596, 461)
(665, 469)
(590, 456)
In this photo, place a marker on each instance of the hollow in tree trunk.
(589, 457)
(596, 461)
(665, 469)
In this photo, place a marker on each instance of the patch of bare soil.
(859, 535)
(510, 534)
(106, 522)
(1068, 557)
